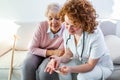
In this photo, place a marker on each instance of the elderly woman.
(47, 41)
(84, 44)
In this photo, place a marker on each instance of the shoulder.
(65, 34)
(42, 26)
(97, 32)
(97, 35)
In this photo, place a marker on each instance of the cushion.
(108, 24)
(113, 43)
(115, 74)
(5, 46)
(117, 60)
(19, 57)
(24, 33)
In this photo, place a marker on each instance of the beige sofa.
(25, 32)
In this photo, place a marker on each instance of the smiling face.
(52, 12)
(72, 28)
(54, 21)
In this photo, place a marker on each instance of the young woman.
(84, 43)
(47, 41)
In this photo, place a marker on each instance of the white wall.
(107, 8)
(103, 7)
(24, 10)
(33, 10)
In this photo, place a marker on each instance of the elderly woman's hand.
(50, 66)
(55, 52)
(53, 64)
(58, 52)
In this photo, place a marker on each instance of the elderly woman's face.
(54, 21)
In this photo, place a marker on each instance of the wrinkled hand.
(50, 66)
(53, 64)
(58, 52)
(69, 51)
(54, 52)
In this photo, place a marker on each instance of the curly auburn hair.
(82, 12)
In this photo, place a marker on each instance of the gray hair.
(52, 7)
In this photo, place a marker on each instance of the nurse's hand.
(65, 69)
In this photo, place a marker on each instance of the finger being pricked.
(49, 69)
